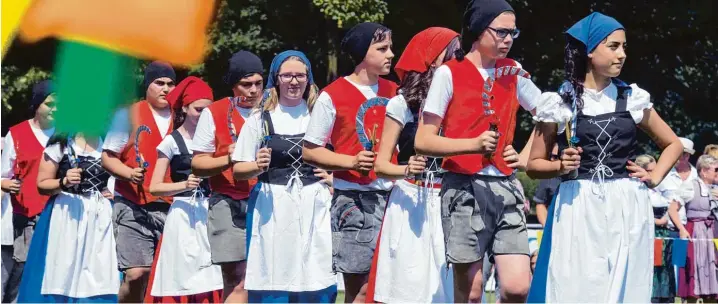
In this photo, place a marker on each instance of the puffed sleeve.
(637, 102)
(552, 109)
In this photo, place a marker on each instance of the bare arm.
(526, 151)
(665, 139)
(326, 159)
(676, 219)
(541, 214)
(47, 183)
(539, 166)
(428, 142)
(112, 163)
(205, 165)
(245, 170)
(157, 185)
(383, 166)
(661, 221)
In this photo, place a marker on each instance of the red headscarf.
(188, 91)
(423, 49)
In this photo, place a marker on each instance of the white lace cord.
(194, 201)
(601, 171)
(294, 184)
(95, 191)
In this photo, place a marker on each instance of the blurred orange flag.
(169, 30)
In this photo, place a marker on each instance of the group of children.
(278, 187)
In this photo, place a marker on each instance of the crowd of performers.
(404, 188)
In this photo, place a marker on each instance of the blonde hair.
(711, 150)
(310, 94)
(644, 160)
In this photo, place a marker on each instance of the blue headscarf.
(277, 63)
(592, 29)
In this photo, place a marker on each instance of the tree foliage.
(672, 49)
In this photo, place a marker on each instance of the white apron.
(412, 263)
(184, 266)
(6, 219)
(81, 259)
(606, 232)
(291, 240)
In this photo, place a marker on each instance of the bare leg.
(134, 284)
(468, 282)
(355, 286)
(515, 273)
(233, 276)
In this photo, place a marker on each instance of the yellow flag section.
(12, 13)
(169, 30)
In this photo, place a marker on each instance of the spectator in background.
(682, 173)
(664, 277)
(545, 192)
(711, 150)
(699, 279)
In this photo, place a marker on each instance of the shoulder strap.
(180, 142)
(267, 123)
(622, 98)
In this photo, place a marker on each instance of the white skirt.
(81, 259)
(184, 266)
(602, 243)
(291, 239)
(412, 263)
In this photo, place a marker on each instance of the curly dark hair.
(415, 85)
(575, 64)
(178, 116)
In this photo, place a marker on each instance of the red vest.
(347, 99)
(141, 114)
(225, 182)
(465, 116)
(28, 151)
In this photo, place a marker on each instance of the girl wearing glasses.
(411, 265)
(289, 233)
(481, 204)
(603, 219)
(72, 256)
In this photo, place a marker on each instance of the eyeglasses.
(287, 78)
(503, 32)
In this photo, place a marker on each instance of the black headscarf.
(157, 69)
(40, 91)
(357, 40)
(242, 64)
(478, 15)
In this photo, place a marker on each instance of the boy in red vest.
(138, 215)
(481, 203)
(213, 144)
(359, 195)
(21, 154)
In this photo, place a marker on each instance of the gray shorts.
(227, 228)
(23, 229)
(356, 218)
(137, 231)
(482, 214)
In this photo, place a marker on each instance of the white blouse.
(553, 109)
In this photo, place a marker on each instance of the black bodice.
(405, 144)
(181, 166)
(93, 177)
(608, 140)
(286, 160)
